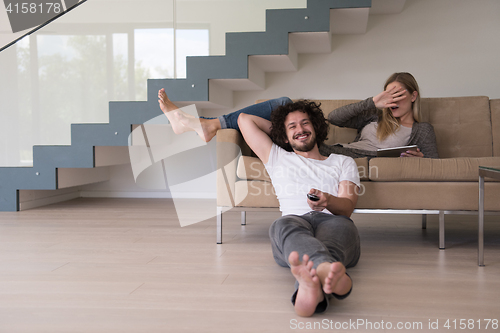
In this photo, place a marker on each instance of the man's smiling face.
(299, 131)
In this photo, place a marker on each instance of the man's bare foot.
(333, 278)
(309, 294)
(182, 122)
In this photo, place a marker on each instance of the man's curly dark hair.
(316, 116)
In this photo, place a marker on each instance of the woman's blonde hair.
(387, 123)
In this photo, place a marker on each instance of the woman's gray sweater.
(358, 115)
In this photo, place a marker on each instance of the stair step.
(347, 21)
(79, 176)
(76, 156)
(298, 20)
(126, 113)
(256, 43)
(108, 156)
(191, 89)
(100, 134)
(218, 67)
(285, 62)
(20, 178)
(217, 96)
(256, 79)
(387, 6)
(311, 42)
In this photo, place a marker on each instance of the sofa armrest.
(230, 146)
(233, 136)
(495, 125)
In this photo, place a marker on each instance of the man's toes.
(327, 287)
(293, 258)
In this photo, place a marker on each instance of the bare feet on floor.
(333, 278)
(182, 122)
(328, 278)
(310, 293)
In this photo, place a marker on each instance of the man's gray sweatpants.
(323, 237)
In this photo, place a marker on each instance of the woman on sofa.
(389, 119)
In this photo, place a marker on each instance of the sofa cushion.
(252, 168)
(255, 193)
(427, 195)
(363, 169)
(462, 125)
(426, 169)
(495, 124)
(338, 134)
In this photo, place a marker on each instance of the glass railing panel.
(105, 50)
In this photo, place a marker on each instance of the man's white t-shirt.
(293, 176)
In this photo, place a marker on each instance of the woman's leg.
(208, 127)
(262, 110)
(182, 122)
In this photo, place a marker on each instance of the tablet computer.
(395, 152)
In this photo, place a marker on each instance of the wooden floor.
(126, 265)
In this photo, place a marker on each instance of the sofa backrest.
(462, 125)
(495, 125)
(337, 134)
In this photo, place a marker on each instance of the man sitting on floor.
(318, 229)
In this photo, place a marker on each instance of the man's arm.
(255, 131)
(343, 204)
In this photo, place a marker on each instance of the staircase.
(210, 83)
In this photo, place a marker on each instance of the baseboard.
(48, 201)
(151, 195)
(111, 194)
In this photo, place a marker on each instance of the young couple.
(389, 119)
(316, 239)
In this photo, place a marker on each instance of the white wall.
(452, 47)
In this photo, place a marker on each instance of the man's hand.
(321, 203)
(343, 204)
(388, 98)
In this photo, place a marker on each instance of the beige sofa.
(468, 136)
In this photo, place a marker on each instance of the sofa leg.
(424, 221)
(219, 225)
(243, 218)
(441, 230)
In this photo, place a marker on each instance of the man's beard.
(304, 147)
